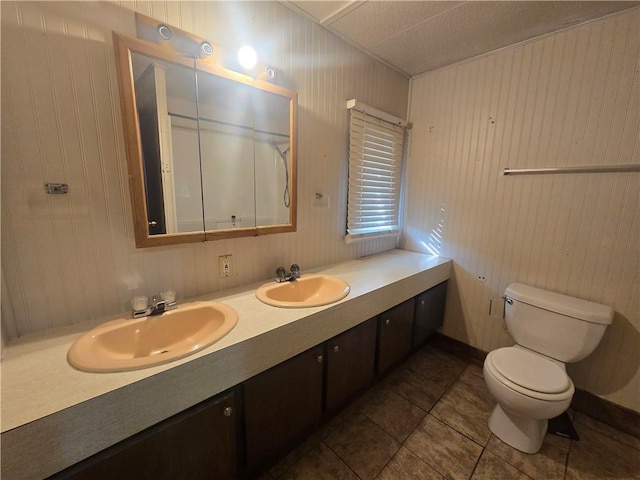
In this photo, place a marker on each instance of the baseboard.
(458, 348)
(621, 418)
(618, 417)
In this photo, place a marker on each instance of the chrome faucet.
(159, 304)
(283, 276)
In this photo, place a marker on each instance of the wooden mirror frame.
(124, 46)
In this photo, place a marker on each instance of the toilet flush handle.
(504, 310)
(504, 307)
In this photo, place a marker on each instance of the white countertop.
(53, 415)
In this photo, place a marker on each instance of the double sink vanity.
(222, 387)
(124, 344)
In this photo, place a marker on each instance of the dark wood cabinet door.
(350, 363)
(199, 443)
(429, 313)
(395, 331)
(282, 404)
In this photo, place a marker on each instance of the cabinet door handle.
(336, 348)
(387, 322)
(319, 358)
(227, 412)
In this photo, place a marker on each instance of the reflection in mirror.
(244, 146)
(227, 148)
(211, 152)
(167, 112)
(273, 147)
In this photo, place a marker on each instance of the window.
(376, 141)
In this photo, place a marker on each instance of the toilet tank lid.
(559, 303)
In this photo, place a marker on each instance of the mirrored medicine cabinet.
(211, 152)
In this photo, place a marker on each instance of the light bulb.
(247, 57)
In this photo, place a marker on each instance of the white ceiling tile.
(373, 22)
(417, 36)
(430, 43)
(321, 10)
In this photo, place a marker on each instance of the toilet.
(529, 380)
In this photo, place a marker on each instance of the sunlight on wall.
(433, 245)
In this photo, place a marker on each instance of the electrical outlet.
(224, 266)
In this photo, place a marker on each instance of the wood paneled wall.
(571, 98)
(69, 258)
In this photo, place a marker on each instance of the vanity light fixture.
(270, 73)
(206, 48)
(164, 31)
(247, 57)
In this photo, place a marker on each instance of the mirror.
(211, 152)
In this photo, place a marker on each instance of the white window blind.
(375, 171)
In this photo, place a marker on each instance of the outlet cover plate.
(224, 266)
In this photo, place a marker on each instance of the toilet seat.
(530, 374)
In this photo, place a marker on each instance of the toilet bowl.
(529, 388)
(529, 380)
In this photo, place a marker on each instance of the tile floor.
(428, 420)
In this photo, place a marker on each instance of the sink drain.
(159, 352)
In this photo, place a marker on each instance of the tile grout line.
(341, 459)
(484, 447)
(566, 461)
(425, 462)
(428, 412)
(477, 463)
(402, 443)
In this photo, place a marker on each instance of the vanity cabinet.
(286, 401)
(429, 314)
(281, 404)
(199, 443)
(350, 364)
(395, 332)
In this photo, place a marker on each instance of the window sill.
(348, 239)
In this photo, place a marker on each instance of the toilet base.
(524, 434)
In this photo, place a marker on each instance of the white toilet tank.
(559, 326)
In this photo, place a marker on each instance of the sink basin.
(122, 345)
(306, 291)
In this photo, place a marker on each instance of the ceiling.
(414, 37)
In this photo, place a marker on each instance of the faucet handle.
(168, 299)
(140, 306)
(280, 273)
(139, 303)
(169, 296)
(295, 271)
